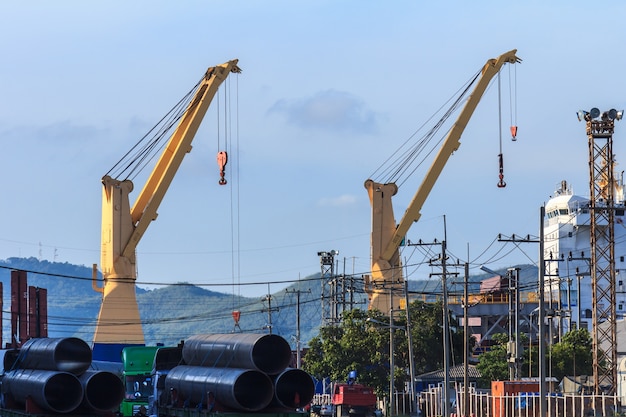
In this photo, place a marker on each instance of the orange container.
(503, 391)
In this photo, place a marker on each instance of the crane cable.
(513, 118)
(151, 144)
(513, 101)
(222, 155)
(402, 164)
(501, 183)
(222, 159)
(234, 192)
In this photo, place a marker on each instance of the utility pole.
(446, 332)
(410, 343)
(446, 321)
(298, 357)
(392, 364)
(579, 275)
(541, 312)
(465, 410)
(268, 298)
(516, 358)
(542, 345)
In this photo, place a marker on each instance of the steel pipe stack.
(103, 391)
(59, 392)
(245, 371)
(9, 358)
(290, 382)
(268, 353)
(53, 373)
(239, 389)
(70, 354)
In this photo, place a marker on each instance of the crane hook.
(513, 133)
(501, 183)
(222, 159)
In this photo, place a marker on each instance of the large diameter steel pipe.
(69, 354)
(59, 392)
(236, 389)
(268, 353)
(9, 358)
(103, 391)
(293, 388)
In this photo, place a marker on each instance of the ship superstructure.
(567, 251)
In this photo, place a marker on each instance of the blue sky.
(328, 91)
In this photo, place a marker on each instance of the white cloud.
(329, 110)
(340, 201)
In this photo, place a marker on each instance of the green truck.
(137, 363)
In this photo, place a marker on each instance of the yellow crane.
(387, 236)
(123, 227)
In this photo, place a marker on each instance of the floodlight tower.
(600, 127)
(329, 287)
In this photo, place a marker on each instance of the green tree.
(427, 336)
(353, 345)
(573, 355)
(493, 365)
(361, 343)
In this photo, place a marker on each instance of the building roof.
(455, 372)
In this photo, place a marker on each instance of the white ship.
(567, 249)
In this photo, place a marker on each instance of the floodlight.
(612, 114)
(489, 271)
(595, 112)
(582, 115)
(619, 114)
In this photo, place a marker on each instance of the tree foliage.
(361, 342)
(571, 356)
(493, 365)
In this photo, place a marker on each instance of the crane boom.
(119, 323)
(386, 236)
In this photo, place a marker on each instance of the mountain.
(174, 312)
(169, 314)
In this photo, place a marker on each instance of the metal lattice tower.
(329, 287)
(602, 205)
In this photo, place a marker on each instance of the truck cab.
(165, 359)
(352, 399)
(137, 364)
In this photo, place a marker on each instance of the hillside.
(170, 313)
(174, 312)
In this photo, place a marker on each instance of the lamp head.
(594, 113)
(487, 270)
(582, 115)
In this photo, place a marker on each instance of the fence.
(524, 404)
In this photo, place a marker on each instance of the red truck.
(354, 400)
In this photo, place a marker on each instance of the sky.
(329, 90)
